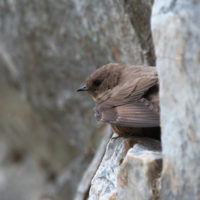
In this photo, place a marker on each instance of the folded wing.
(126, 105)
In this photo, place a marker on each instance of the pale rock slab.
(176, 33)
(128, 170)
(139, 170)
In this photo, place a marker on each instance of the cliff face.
(176, 34)
(47, 49)
(129, 170)
(48, 135)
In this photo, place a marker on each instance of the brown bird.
(127, 98)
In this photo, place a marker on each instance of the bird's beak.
(82, 89)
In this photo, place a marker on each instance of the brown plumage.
(127, 98)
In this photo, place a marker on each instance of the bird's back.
(134, 101)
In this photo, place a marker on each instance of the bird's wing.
(127, 107)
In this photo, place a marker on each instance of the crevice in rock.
(155, 187)
(140, 14)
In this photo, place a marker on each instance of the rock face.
(140, 14)
(47, 49)
(176, 34)
(139, 171)
(128, 170)
(103, 185)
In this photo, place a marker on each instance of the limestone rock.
(104, 183)
(139, 171)
(176, 34)
(140, 14)
(47, 49)
(128, 170)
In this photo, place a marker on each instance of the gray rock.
(140, 14)
(128, 170)
(176, 34)
(47, 49)
(104, 183)
(139, 171)
(31, 155)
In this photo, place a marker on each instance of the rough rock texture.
(140, 14)
(176, 34)
(139, 171)
(31, 155)
(128, 170)
(66, 180)
(104, 183)
(47, 49)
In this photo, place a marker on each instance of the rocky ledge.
(129, 170)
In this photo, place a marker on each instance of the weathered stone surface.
(104, 183)
(140, 14)
(176, 33)
(128, 170)
(68, 180)
(139, 170)
(31, 155)
(47, 49)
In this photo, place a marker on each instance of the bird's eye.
(97, 83)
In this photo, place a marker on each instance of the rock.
(104, 183)
(65, 183)
(176, 34)
(140, 14)
(128, 170)
(31, 155)
(139, 170)
(47, 50)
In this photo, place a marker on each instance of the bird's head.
(102, 80)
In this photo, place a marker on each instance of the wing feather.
(132, 115)
(125, 105)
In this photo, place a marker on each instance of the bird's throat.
(101, 95)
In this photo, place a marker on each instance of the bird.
(127, 98)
